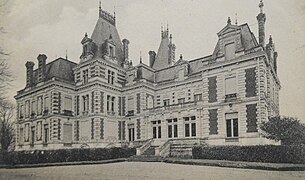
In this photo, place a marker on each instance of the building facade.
(105, 100)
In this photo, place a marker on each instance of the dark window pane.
(159, 131)
(193, 129)
(235, 127)
(229, 130)
(169, 131)
(154, 132)
(175, 130)
(187, 130)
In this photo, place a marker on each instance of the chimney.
(41, 67)
(261, 18)
(125, 49)
(152, 58)
(29, 73)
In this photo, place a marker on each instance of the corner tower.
(105, 41)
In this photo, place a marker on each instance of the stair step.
(145, 158)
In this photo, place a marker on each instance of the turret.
(261, 19)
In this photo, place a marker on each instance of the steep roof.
(60, 68)
(162, 56)
(104, 29)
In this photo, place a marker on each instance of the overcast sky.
(52, 27)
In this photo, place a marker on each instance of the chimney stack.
(41, 67)
(29, 73)
(125, 49)
(152, 58)
(261, 18)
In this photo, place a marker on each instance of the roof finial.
(114, 11)
(167, 26)
(261, 6)
(100, 8)
(270, 40)
(66, 54)
(140, 57)
(235, 18)
(229, 20)
(86, 35)
(181, 57)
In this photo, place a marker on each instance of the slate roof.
(102, 31)
(60, 68)
(162, 54)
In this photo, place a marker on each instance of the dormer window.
(111, 51)
(230, 51)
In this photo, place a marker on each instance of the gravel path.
(143, 170)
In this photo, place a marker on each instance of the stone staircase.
(147, 156)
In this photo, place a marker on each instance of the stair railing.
(144, 147)
(164, 149)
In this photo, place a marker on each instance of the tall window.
(21, 111)
(85, 76)
(190, 126)
(68, 103)
(232, 125)
(230, 51)
(110, 77)
(27, 108)
(112, 104)
(131, 136)
(46, 103)
(172, 128)
(39, 105)
(33, 108)
(92, 128)
(85, 103)
(156, 129)
(230, 85)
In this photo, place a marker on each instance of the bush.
(261, 153)
(65, 155)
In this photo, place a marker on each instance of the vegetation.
(288, 130)
(66, 155)
(261, 153)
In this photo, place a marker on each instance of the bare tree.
(7, 130)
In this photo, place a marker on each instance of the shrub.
(65, 155)
(261, 153)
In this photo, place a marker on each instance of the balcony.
(130, 113)
(230, 97)
(186, 105)
(45, 112)
(33, 115)
(67, 113)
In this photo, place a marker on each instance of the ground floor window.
(156, 129)
(232, 125)
(190, 126)
(172, 128)
(131, 132)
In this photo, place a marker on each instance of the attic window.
(230, 51)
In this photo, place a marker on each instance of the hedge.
(260, 153)
(65, 155)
